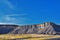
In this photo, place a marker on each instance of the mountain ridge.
(45, 28)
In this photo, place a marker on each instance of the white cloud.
(10, 5)
(9, 18)
(17, 15)
(15, 18)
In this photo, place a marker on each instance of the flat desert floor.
(28, 37)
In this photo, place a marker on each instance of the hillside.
(45, 28)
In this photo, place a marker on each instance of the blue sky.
(29, 11)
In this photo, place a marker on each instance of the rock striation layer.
(45, 28)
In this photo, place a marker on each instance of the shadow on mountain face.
(54, 39)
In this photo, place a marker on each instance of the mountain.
(4, 28)
(45, 28)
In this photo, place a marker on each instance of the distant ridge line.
(44, 28)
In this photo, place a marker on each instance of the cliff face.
(45, 28)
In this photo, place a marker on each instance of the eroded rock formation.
(45, 28)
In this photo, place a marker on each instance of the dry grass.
(27, 36)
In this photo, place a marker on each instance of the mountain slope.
(4, 29)
(45, 28)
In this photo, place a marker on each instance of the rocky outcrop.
(4, 29)
(45, 28)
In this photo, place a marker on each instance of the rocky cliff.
(45, 28)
